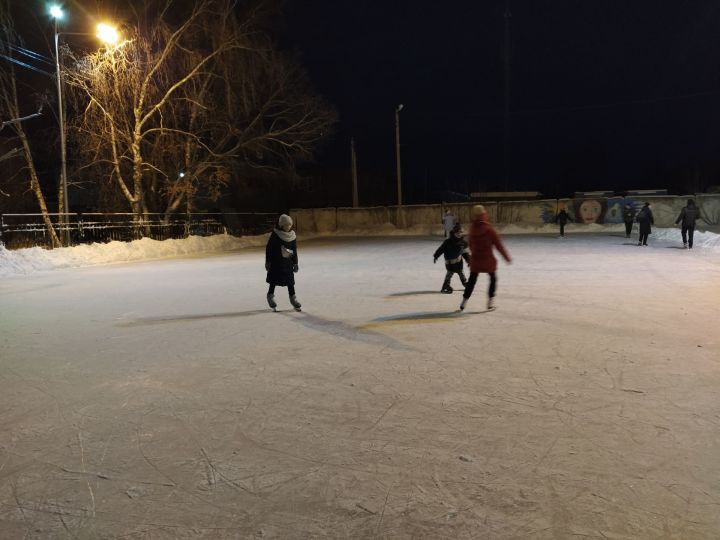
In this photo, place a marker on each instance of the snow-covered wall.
(588, 211)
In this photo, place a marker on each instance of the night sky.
(603, 95)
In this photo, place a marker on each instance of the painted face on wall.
(590, 211)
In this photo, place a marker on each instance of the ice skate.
(271, 302)
(685, 245)
(295, 303)
(491, 303)
(463, 303)
(447, 289)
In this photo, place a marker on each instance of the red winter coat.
(481, 238)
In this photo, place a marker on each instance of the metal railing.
(29, 230)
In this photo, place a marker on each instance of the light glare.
(107, 34)
(56, 11)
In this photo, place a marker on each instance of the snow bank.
(25, 261)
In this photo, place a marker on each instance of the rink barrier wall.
(601, 210)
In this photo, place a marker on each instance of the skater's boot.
(446, 288)
(463, 303)
(491, 302)
(295, 303)
(271, 301)
(684, 245)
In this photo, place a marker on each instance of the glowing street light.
(56, 13)
(107, 34)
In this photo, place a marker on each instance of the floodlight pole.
(397, 153)
(63, 154)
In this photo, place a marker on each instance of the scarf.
(285, 236)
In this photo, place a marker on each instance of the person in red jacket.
(481, 238)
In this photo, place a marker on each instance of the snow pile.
(705, 240)
(25, 261)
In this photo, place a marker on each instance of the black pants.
(562, 229)
(688, 231)
(473, 280)
(449, 274)
(291, 290)
(628, 228)
(643, 238)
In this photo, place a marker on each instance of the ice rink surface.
(164, 399)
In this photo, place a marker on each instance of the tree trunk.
(37, 190)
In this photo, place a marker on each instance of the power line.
(27, 52)
(28, 66)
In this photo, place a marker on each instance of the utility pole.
(353, 160)
(397, 153)
(63, 155)
(506, 127)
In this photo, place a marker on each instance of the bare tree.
(12, 116)
(174, 109)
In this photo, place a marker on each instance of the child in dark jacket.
(281, 261)
(454, 249)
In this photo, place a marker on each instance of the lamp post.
(397, 153)
(108, 35)
(56, 13)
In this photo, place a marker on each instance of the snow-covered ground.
(163, 400)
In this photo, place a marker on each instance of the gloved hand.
(267, 266)
(295, 268)
(435, 260)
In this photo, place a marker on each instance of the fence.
(29, 230)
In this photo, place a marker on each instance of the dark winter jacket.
(281, 258)
(563, 217)
(688, 215)
(454, 249)
(629, 214)
(481, 238)
(645, 219)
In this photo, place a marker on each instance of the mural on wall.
(597, 210)
(590, 210)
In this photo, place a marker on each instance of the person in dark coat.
(561, 219)
(281, 261)
(688, 216)
(629, 218)
(454, 249)
(646, 220)
(482, 238)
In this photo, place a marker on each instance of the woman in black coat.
(281, 261)
(645, 219)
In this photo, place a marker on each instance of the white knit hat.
(285, 221)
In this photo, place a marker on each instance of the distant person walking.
(448, 220)
(281, 261)
(561, 219)
(482, 238)
(646, 220)
(688, 216)
(629, 218)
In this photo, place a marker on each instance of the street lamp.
(397, 152)
(107, 34)
(56, 13)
